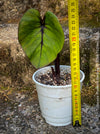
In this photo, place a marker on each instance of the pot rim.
(50, 86)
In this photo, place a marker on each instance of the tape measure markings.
(74, 58)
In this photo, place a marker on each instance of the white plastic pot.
(55, 101)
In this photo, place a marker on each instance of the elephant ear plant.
(41, 38)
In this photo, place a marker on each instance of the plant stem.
(53, 73)
(57, 66)
(56, 73)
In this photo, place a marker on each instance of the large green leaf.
(41, 39)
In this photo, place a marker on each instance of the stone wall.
(12, 10)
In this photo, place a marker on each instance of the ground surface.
(20, 114)
(19, 107)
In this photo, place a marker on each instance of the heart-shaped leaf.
(41, 39)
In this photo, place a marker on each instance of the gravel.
(49, 77)
(24, 117)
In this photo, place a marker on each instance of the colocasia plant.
(42, 39)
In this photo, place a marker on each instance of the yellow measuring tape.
(73, 19)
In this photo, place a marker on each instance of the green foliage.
(41, 39)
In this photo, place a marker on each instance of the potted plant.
(42, 40)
